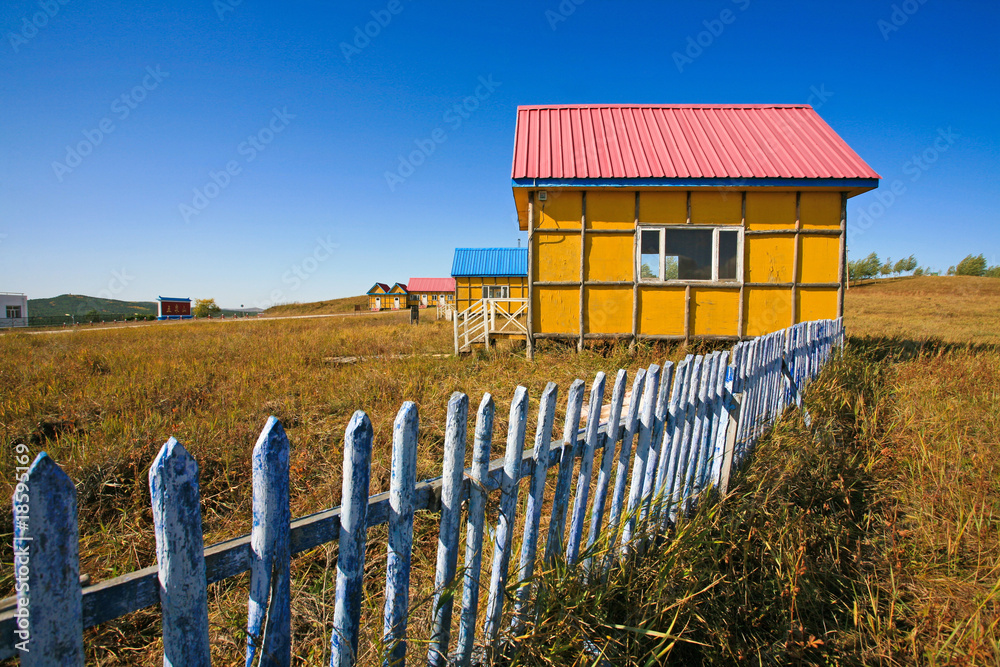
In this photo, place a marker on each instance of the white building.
(13, 309)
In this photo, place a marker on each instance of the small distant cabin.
(426, 292)
(170, 308)
(383, 297)
(672, 222)
(491, 294)
(13, 309)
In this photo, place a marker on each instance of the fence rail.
(685, 427)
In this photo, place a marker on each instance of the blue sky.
(239, 149)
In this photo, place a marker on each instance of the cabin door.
(396, 303)
(423, 300)
(378, 303)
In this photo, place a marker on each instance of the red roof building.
(431, 291)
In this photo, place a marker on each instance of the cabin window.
(686, 253)
(496, 292)
(13, 312)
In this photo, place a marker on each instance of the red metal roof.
(431, 285)
(680, 141)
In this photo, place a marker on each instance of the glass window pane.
(649, 254)
(691, 249)
(728, 242)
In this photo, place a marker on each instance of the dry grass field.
(872, 538)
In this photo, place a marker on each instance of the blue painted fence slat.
(567, 457)
(180, 554)
(506, 519)
(593, 433)
(47, 558)
(690, 409)
(647, 407)
(353, 537)
(654, 475)
(671, 443)
(607, 460)
(474, 532)
(533, 509)
(405, 431)
(623, 467)
(269, 617)
(448, 539)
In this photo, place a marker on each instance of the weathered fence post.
(533, 510)
(47, 559)
(671, 444)
(684, 452)
(451, 514)
(506, 519)
(607, 460)
(645, 429)
(567, 458)
(650, 486)
(586, 468)
(180, 554)
(624, 458)
(405, 432)
(269, 614)
(474, 531)
(353, 534)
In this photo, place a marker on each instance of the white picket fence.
(684, 428)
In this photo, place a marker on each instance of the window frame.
(504, 291)
(715, 229)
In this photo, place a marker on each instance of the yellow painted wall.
(770, 210)
(663, 208)
(609, 257)
(608, 310)
(717, 207)
(767, 309)
(715, 312)
(470, 289)
(557, 310)
(559, 256)
(561, 210)
(661, 311)
(768, 259)
(610, 210)
(820, 259)
(820, 210)
(817, 304)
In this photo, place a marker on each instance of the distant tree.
(993, 272)
(919, 271)
(205, 308)
(646, 272)
(886, 269)
(92, 316)
(864, 269)
(951, 271)
(899, 266)
(670, 269)
(972, 265)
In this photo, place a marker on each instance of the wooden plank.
(269, 614)
(685, 426)
(674, 284)
(530, 337)
(478, 476)
(842, 276)
(533, 509)
(583, 256)
(697, 452)
(635, 276)
(624, 459)
(796, 258)
(688, 207)
(46, 558)
(583, 479)
(671, 443)
(687, 314)
(403, 479)
(720, 420)
(607, 460)
(654, 477)
(506, 518)
(568, 453)
(180, 555)
(448, 536)
(351, 558)
(731, 403)
(650, 392)
(792, 232)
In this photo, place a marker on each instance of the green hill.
(79, 304)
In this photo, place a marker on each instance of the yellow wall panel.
(717, 207)
(820, 258)
(661, 311)
(558, 256)
(768, 309)
(562, 210)
(608, 310)
(769, 259)
(557, 310)
(817, 304)
(770, 210)
(663, 208)
(715, 312)
(609, 257)
(820, 210)
(610, 210)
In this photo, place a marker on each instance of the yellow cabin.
(680, 222)
(491, 294)
(424, 292)
(383, 297)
